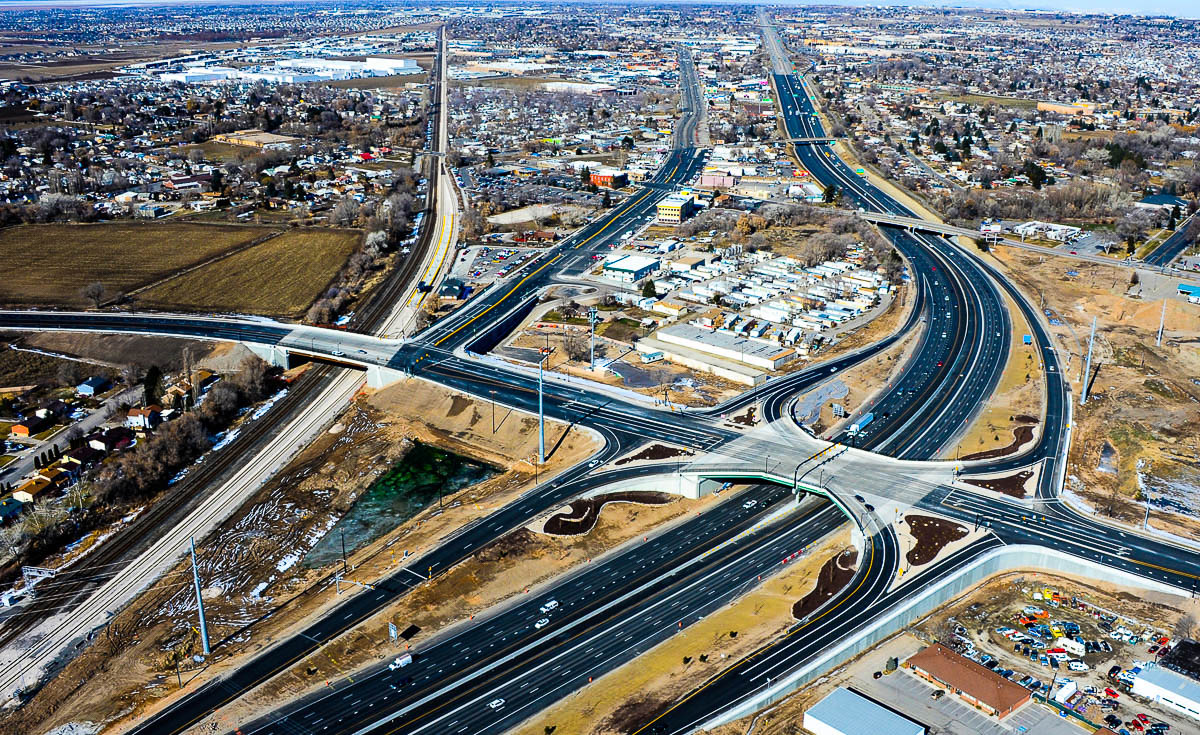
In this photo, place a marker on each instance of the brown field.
(280, 277)
(50, 264)
(396, 80)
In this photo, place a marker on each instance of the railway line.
(71, 588)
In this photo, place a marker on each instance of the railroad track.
(70, 587)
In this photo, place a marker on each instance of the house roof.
(980, 682)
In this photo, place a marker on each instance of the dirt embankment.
(585, 512)
(931, 536)
(835, 575)
(1022, 435)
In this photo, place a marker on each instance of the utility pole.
(541, 412)
(592, 323)
(199, 599)
(1087, 369)
(1162, 323)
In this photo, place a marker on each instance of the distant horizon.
(1167, 8)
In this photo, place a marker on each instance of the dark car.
(1113, 671)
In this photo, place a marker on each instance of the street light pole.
(592, 322)
(541, 414)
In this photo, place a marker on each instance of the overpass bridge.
(278, 343)
(916, 224)
(811, 140)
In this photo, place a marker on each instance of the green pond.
(413, 484)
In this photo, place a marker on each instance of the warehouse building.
(746, 350)
(630, 268)
(846, 712)
(1173, 690)
(976, 685)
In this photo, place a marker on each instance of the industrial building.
(846, 712)
(746, 350)
(630, 268)
(1168, 688)
(676, 208)
(975, 684)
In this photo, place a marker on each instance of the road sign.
(839, 411)
(393, 634)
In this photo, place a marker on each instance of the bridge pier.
(381, 377)
(271, 354)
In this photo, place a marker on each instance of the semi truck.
(857, 427)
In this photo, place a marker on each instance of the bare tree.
(95, 292)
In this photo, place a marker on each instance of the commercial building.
(727, 345)
(1168, 688)
(257, 139)
(630, 268)
(676, 208)
(846, 712)
(610, 178)
(973, 683)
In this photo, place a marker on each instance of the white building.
(845, 712)
(1179, 692)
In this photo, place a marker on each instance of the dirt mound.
(931, 535)
(1013, 485)
(834, 575)
(585, 513)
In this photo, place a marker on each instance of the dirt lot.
(633, 692)
(50, 264)
(280, 277)
(250, 565)
(1144, 411)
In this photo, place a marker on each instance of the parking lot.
(485, 264)
(913, 697)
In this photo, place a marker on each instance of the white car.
(496, 703)
(541, 623)
(749, 504)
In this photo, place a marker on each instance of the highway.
(639, 590)
(640, 594)
(965, 340)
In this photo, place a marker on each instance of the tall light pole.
(592, 322)
(1162, 323)
(541, 412)
(199, 599)
(1087, 368)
